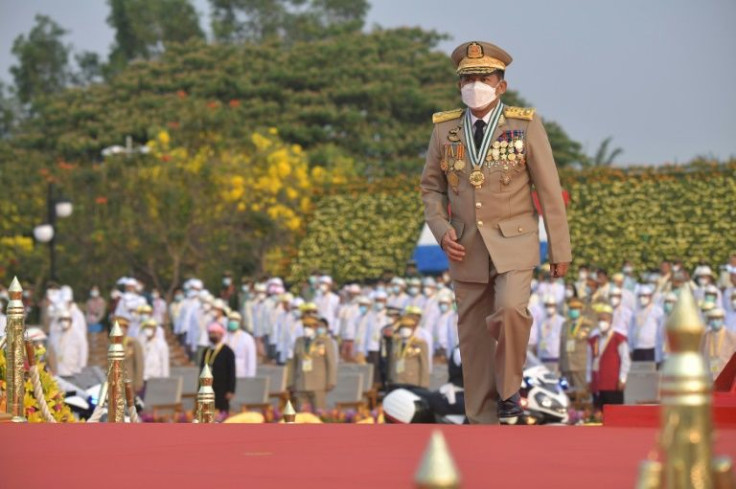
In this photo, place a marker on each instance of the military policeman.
(574, 345)
(409, 360)
(481, 164)
(313, 369)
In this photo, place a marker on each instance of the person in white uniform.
(646, 334)
(155, 351)
(243, 345)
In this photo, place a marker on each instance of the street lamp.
(127, 150)
(57, 207)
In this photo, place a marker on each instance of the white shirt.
(328, 305)
(647, 330)
(376, 322)
(621, 321)
(360, 327)
(79, 323)
(156, 358)
(623, 353)
(548, 346)
(444, 327)
(244, 347)
(68, 349)
(3, 323)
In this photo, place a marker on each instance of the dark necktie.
(480, 125)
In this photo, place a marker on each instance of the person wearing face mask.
(398, 297)
(155, 352)
(609, 362)
(160, 308)
(582, 282)
(243, 346)
(445, 329)
(430, 310)
(134, 359)
(257, 305)
(703, 277)
(730, 303)
(228, 293)
(95, 310)
(669, 303)
(221, 361)
(358, 352)
(375, 323)
(646, 334)
(415, 313)
(293, 327)
(328, 303)
(550, 286)
(628, 280)
(408, 362)
(627, 297)
(711, 297)
(414, 291)
(188, 314)
(574, 345)
(347, 314)
(548, 334)
(476, 157)
(68, 347)
(719, 344)
(142, 314)
(3, 318)
(313, 368)
(622, 313)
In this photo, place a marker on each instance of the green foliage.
(604, 156)
(643, 215)
(359, 234)
(286, 20)
(43, 60)
(142, 27)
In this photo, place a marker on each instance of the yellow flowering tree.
(198, 205)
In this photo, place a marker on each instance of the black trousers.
(608, 397)
(643, 355)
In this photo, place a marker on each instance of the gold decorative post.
(289, 413)
(205, 397)
(15, 353)
(686, 418)
(437, 469)
(115, 376)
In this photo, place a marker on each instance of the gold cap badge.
(479, 58)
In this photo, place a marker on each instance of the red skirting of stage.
(318, 456)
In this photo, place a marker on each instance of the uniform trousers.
(493, 326)
(316, 399)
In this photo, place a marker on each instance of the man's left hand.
(559, 269)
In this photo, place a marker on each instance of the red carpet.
(317, 456)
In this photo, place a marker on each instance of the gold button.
(521, 229)
(478, 205)
(480, 224)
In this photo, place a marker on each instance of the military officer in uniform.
(483, 161)
(313, 368)
(574, 345)
(409, 359)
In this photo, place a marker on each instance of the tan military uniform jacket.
(718, 347)
(498, 221)
(134, 365)
(574, 345)
(410, 364)
(314, 369)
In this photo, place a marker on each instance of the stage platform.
(318, 456)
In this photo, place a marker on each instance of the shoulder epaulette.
(449, 115)
(518, 113)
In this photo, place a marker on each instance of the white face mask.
(428, 291)
(444, 307)
(309, 333)
(379, 306)
(324, 288)
(405, 332)
(551, 311)
(150, 333)
(604, 326)
(478, 95)
(615, 301)
(569, 293)
(413, 291)
(95, 293)
(644, 300)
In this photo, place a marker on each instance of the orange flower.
(101, 200)
(234, 103)
(173, 125)
(181, 94)
(212, 105)
(165, 158)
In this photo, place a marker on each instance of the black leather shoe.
(510, 411)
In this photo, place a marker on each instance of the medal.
(512, 157)
(459, 165)
(453, 180)
(477, 178)
(443, 165)
(452, 136)
(519, 145)
(506, 179)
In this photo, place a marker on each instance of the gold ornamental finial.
(15, 353)
(437, 469)
(205, 397)
(684, 327)
(289, 413)
(15, 287)
(115, 375)
(116, 333)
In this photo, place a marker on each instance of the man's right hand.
(454, 250)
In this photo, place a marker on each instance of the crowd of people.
(589, 328)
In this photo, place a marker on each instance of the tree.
(604, 157)
(142, 27)
(90, 68)
(43, 60)
(8, 111)
(286, 20)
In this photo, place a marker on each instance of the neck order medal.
(478, 155)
